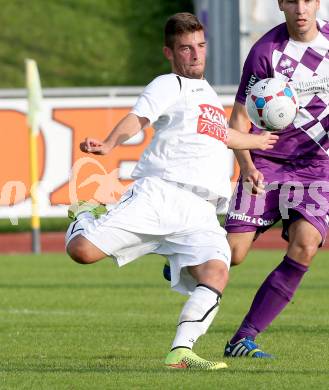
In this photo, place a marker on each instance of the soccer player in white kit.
(180, 180)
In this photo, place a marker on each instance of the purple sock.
(271, 298)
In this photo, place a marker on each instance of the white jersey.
(189, 144)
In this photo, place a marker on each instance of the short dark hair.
(178, 24)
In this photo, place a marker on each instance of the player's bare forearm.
(125, 129)
(130, 125)
(239, 140)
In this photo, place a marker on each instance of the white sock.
(76, 227)
(196, 316)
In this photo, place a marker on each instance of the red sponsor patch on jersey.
(212, 121)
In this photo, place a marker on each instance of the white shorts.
(156, 216)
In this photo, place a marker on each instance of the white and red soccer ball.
(272, 104)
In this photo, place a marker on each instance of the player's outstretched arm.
(238, 140)
(130, 125)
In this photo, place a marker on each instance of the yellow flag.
(34, 93)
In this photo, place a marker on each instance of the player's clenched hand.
(95, 146)
(253, 180)
(267, 140)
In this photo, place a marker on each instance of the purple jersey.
(277, 55)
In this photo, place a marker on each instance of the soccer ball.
(272, 104)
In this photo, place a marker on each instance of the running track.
(54, 242)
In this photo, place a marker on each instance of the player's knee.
(79, 250)
(223, 276)
(218, 275)
(213, 273)
(310, 250)
(306, 250)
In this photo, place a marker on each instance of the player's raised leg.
(83, 251)
(78, 247)
(197, 315)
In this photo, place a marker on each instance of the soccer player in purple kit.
(291, 181)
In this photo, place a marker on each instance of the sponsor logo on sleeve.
(252, 81)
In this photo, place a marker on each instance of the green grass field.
(67, 326)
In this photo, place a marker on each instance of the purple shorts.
(292, 191)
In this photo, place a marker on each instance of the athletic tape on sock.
(196, 316)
